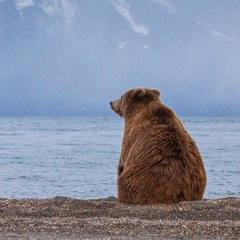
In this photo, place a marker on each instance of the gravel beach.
(69, 218)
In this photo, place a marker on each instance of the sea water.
(77, 157)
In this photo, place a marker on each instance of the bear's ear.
(157, 92)
(139, 92)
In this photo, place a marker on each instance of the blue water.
(77, 157)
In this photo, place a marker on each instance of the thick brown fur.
(159, 162)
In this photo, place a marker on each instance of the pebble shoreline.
(69, 218)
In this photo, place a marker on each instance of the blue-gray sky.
(71, 57)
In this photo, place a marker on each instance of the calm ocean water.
(77, 157)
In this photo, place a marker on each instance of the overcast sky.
(71, 57)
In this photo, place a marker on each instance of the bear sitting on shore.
(159, 162)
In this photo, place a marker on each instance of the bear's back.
(162, 163)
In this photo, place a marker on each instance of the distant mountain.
(70, 57)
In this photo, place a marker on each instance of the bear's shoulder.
(159, 110)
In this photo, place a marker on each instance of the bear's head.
(134, 100)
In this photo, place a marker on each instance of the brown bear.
(159, 161)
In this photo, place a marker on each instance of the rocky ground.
(68, 218)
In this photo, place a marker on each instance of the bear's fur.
(159, 161)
